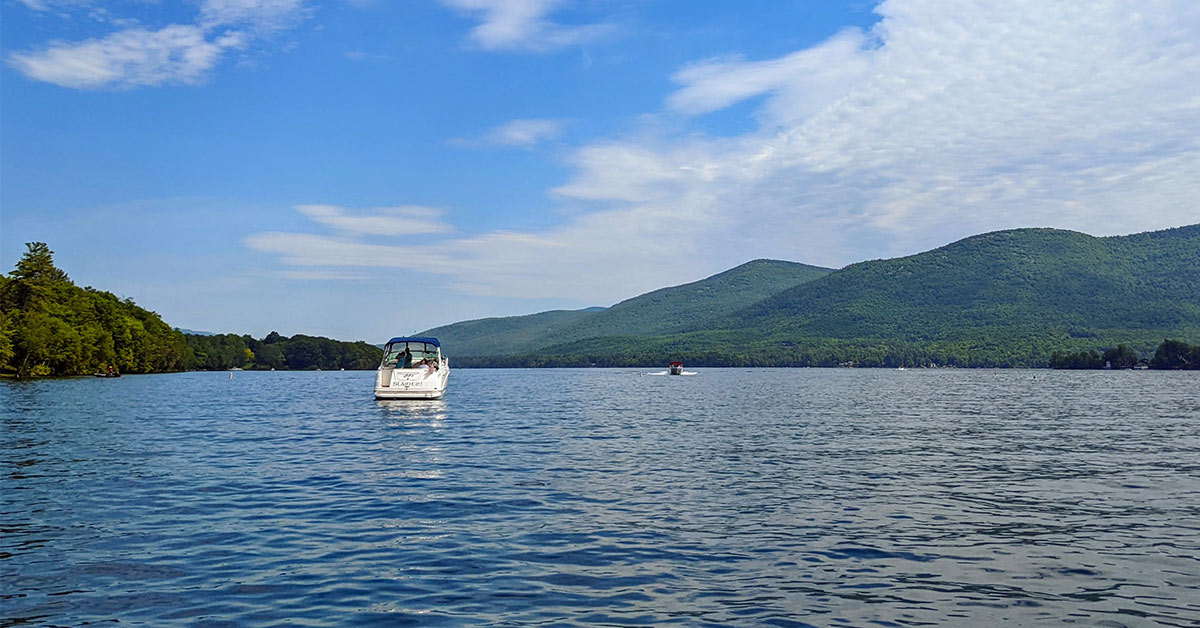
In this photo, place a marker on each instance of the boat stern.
(414, 383)
(412, 368)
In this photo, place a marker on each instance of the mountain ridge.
(1002, 298)
(659, 311)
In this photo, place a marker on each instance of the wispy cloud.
(944, 120)
(47, 5)
(265, 15)
(134, 57)
(523, 25)
(801, 83)
(524, 133)
(383, 221)
(322, 275)
(175, 54)
(576, 261)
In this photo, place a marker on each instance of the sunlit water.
(788, 497)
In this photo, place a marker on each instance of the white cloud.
(322, 275)
(585, 260)
(802, 82)
(525, 133)
(133, 57)
(945, 120)
(523, 25)
(957, 118)
(638, 172)
(260, 14)
(342, 251)
(55, 5)
(138, 56)
(383, 221)
(985, 116)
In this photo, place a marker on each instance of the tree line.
(49, 326)
(226, 351)
(1170, 355)
(1025, 353)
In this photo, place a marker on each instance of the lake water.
(737, 497)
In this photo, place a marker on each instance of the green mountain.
(1021, 283)
(660, 312)
(505, 335)
(1007, 298)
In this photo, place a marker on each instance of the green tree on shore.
(50, 326)
(298, 353)
(1176, 355)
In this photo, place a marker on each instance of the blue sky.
(364, 168)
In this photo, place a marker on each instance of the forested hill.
(50, 326)
(1023, 283)
(659, 312)
(1007, 298)
(505, 335)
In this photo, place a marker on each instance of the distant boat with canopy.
(413, 367)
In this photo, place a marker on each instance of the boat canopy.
(425, 339)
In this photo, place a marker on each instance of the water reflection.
(429, 411)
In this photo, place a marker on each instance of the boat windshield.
(409, 354)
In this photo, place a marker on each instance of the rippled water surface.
(604, 497)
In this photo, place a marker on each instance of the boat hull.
(415, 383)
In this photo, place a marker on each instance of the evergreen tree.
(50, 326)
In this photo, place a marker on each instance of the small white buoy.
(231, 375)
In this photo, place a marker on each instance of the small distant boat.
(111, 373)
(675, 368)
(413, 367)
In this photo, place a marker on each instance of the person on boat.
(404, 360)
(111, 372)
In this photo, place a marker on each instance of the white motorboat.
(412, 368)
(675, 368)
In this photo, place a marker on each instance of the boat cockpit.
(411, 353)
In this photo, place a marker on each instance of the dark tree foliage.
(1176, 355)
(50, 326)
(1077, 360)
(1120, 357)
(226, 351)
